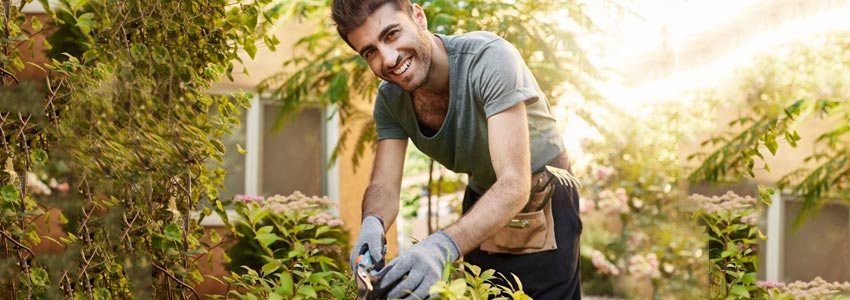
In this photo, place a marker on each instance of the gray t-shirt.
(487, 75)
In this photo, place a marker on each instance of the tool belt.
(533, 229)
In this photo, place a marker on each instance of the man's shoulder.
(475, 41)
(388, 90)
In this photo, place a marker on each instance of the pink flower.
(602, 264)
(63, 187)
(37, 186)
(248, 199)
(585, 205)
(750, 219)
(770, 284)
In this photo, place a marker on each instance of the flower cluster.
(815, 289)
(249, 199)
(297, 201)
(750, 219)
(324, 219)
(644, 265)
(324, 249)
(38, 187)
(728, 202)
(602, 264)
(616, 201)
(601, 173)
(279, 203)
(770, 284)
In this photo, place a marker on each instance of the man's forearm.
(491, 213)
(382, 202)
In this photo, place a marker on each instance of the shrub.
(733, 237)
(288, 247)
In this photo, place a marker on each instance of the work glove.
(422, 264)
(372, 240)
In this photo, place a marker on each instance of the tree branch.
(164, 271)
(7, 236)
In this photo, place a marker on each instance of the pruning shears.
(367, 275)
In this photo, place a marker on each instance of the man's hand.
(422, 264)
(372, 238)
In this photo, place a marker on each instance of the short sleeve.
(501, 78)
(387, 125)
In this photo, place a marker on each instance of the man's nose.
(390, 57)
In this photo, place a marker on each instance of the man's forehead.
(382, 17)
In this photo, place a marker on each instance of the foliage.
(476, 284)
(329, 73)
(635, 228)
(288, 248)
(126, 123)
(798, 85)
(733, 238)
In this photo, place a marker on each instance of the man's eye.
(392, 34)
(367, 53)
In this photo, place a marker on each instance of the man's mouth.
(403, 67)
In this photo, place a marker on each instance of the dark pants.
(549, 275)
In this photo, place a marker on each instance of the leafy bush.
(733, 238)
(288, 247)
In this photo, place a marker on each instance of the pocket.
(527, 233)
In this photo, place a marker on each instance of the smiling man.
(469, 102)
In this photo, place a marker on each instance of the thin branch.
(10, 75)
(164, 271)
(7, 236)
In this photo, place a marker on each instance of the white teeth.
(403, 68)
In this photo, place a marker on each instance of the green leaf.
(770, 142)
(307, 291)
(267, 239)
(78, 4)
(214, 237)
(9, 193)
(38, 157)
(740, 291)
(251, 49)
(172, 232)
(324, 241)
(84, 22)
(286, 284)
(265, 229)
(39, 276)
(258, 214)
(102, 294)
(270, 267)
(35, 23)
(274, 296)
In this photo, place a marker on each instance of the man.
(471, 103)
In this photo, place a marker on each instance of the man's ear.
(419, 16)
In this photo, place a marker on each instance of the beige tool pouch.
(527, 233)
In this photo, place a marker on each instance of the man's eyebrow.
(381, 36)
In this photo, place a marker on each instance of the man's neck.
(439, 77)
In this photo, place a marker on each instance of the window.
(293, 158)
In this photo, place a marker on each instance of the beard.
(420, 71)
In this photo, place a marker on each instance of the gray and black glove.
(371, 239)
(422, 264)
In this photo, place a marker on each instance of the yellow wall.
(353, 182)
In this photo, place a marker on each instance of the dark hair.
(350, 14)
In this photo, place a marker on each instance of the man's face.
(396, 46)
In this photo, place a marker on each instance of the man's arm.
(511, 158)
(382, 195)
